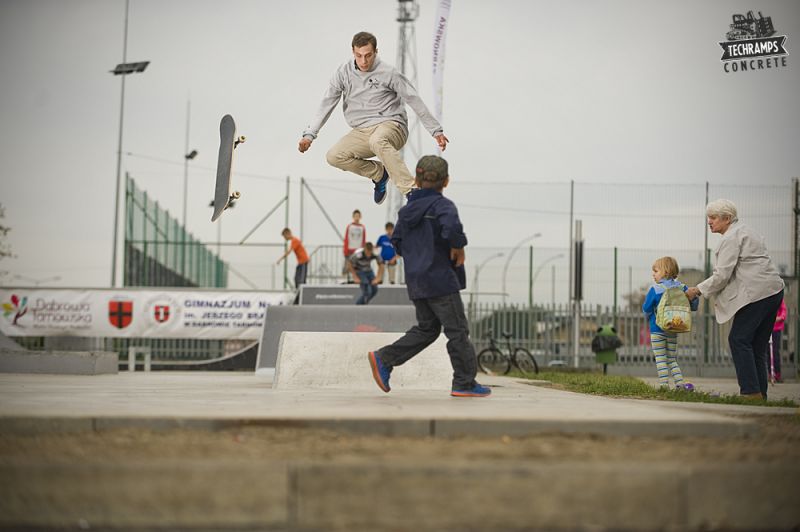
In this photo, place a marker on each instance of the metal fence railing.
(160, 252)
(545, 330)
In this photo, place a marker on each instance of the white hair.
(722, 208)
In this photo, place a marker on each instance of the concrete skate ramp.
(16, 359)
(7, 344)
(59, 362)
(328, 318)
(242, 360)
(312, 360)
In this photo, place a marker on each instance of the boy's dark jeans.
(433, 314)
(368, 290)
(300, 274)
(749, 342)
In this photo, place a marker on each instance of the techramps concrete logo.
(752, 45)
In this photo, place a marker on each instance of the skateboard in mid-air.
(223, 195)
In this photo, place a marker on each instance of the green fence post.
(615, 287)
(530, 276)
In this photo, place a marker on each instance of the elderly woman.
(746, 287)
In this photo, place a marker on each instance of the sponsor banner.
(439, 37)
(136, 313)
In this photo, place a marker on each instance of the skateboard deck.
(228, 141)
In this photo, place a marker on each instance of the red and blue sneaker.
(475, 391)
(380, 372)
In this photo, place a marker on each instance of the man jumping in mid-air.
(374, 96)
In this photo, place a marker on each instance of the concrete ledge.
(195, 494)
(427, 496)
(438, 428)
(59, 362)
(339, 360)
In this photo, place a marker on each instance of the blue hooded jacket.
(653, 298)
(427, 228)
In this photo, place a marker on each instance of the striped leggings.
(665, 347)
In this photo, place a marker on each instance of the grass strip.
(631, 387)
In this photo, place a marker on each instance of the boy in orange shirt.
(300, 254)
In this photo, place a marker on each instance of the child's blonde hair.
(668, 265)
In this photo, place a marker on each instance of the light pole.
(188, 156)
(122, 69)
(511, 255)
(477, 274)
(541, 266)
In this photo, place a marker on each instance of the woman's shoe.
(754, 397)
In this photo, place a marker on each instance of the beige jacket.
(743, 273)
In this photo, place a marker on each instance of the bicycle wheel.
(525, 361)
(493, 362)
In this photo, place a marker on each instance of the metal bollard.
(146, 356)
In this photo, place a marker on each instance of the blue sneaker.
(380, 188)
(475, 391)
(379, 372)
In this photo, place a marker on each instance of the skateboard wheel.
(236, 194)
(242, 139)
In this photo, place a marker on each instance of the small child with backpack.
(669, 312)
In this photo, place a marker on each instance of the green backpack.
(674, 313)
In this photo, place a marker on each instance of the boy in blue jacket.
(431, 240)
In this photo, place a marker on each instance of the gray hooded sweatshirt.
(370, 98)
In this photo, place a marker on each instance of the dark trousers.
(433, 314)
(368, 290)
(300, 274)
(749, 342)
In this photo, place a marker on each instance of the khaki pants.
(391, 271)
(352, 153)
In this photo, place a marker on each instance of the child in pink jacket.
(780, 323)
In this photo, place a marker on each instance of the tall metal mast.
(407, 13)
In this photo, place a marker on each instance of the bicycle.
(493, 361)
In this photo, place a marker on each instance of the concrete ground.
(205, 399)
(121, 452)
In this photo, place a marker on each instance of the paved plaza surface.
(516, 406)
(226, 451)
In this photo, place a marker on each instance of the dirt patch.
(777, 440)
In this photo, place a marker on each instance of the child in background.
(360, 266)
(355, 237)
(777, 330)
(301, 271)
(387, 251)
(664, 343)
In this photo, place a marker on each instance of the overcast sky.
(535, 94)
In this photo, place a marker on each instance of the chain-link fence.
(159, 252)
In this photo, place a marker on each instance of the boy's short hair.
(286, 230)
(668, 265)
(388, 225)
(356, 212)
(368, 246)
(432, 172)
(363, 38)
